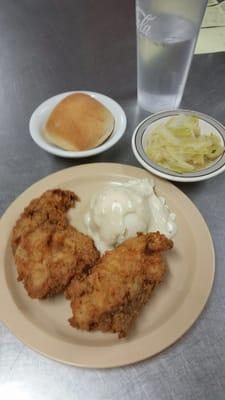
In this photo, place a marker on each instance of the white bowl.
(207, 124)
(43, 111)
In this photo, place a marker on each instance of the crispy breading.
(111, 296)
(48, 251)
(50, 208)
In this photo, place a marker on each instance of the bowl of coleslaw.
(180, 145)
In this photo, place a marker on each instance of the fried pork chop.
(48, 251)
(111, 296)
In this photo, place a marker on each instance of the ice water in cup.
(165, 44)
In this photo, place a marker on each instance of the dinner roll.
(79, 122)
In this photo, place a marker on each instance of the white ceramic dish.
(207, 124)
(42, 112)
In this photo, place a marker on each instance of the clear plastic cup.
(167, 31)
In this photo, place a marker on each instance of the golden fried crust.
(48, 251)
(50, 208)
(110, 298)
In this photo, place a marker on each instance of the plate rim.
(101, 353)
(163, 174)
(110, 142)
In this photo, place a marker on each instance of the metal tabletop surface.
(52, 46)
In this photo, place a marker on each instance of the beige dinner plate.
(173, 308)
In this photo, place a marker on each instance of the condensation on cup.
(167, 32)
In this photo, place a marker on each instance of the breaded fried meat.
(48, 251)
(111, 296)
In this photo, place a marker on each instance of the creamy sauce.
(119, 212)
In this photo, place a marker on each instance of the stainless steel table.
(52, 46)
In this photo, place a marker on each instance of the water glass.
(167, 32)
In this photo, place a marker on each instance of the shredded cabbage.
(179, 145)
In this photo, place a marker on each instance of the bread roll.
(79, 122)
